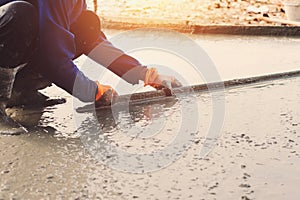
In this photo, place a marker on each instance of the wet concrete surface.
(257, 156)
(232, 56)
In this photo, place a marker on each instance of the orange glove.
(105, 95)
(159, 82)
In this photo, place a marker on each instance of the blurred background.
(199, 12)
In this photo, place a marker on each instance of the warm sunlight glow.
(158, 4)
(191, 12)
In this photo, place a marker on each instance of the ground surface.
(200, 12)
(257, 156)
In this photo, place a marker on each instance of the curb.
(185, 27)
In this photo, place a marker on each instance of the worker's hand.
(159, 81)
(105, 96)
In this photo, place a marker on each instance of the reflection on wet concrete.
(109, 119)
(30, 115)
(105, 135)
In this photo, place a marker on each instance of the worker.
(39, 39)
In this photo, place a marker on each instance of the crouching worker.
(40, 39)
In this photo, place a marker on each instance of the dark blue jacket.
(56, 48)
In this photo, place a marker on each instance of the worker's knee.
(19, 10)
(18, 27)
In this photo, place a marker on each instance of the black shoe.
(7, 77)
(26, 98)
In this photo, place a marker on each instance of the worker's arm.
(90, 40)
(114, 59)
(128, 67)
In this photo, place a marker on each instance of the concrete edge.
(185, 27)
